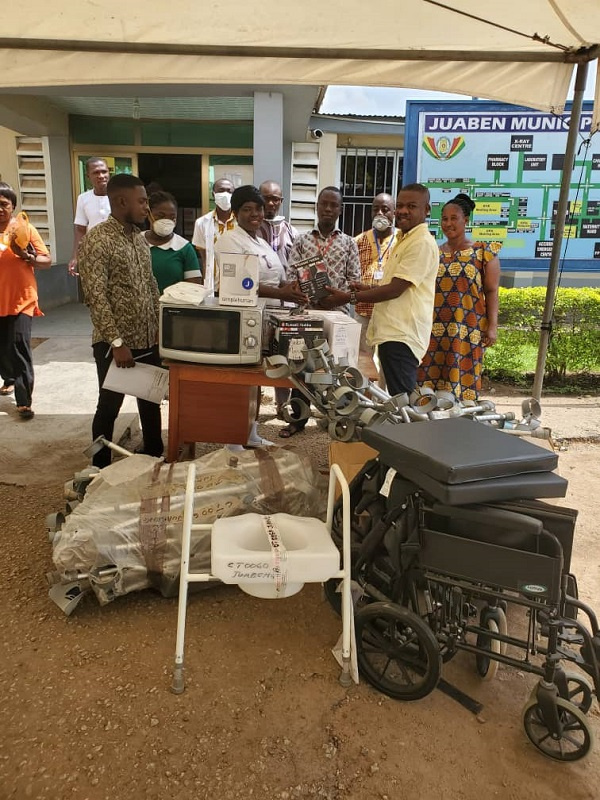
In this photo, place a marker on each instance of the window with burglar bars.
(363, 174)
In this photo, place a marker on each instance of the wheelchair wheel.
(486, 666)
(396, 651)
(498, 614)
(574, 741)
(579, 691)
(334, 598)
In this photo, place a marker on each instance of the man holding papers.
(122, 295)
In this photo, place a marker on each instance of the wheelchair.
(448, 535)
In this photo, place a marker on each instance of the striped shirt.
(279, 235)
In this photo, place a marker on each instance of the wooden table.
(218, 403)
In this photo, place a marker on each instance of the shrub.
(574, 342)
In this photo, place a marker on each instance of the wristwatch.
(117, 342)
(353, 298)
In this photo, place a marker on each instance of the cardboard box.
(341, 331)
(291, 343)
(238, 279)
(288, 334)
(343, 335)
(350, 457)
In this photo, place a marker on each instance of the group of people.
(427, 312)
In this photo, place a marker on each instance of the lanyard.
(380, 255)
(329, 240)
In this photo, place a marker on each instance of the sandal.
(25, 412)
(290, 430)
(7, 389)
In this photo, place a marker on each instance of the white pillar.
(268, 137)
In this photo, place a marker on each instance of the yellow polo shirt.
(409, 317)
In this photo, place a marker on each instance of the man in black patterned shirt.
(338, 253)
(334, 248)
(122, 295)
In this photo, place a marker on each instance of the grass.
(573, 383)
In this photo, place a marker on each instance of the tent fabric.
(411, 43)
(498, 81)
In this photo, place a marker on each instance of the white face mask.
(163, 227)
(223, 200)
(381, 223)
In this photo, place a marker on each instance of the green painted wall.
(160, 133)
(98, 130)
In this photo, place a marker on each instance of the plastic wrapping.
(126, 534)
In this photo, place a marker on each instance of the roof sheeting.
(517, 51)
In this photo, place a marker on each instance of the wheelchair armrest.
(496, 517)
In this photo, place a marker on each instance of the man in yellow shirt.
(402, 316)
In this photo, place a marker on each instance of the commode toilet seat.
(241, 553)
(270, 556)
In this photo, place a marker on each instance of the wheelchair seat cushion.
(511, 487)
(458, 451)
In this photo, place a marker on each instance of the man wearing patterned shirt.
(402, 317)
(279, 235)
(339, 254)
(374, 247)
(209, 228)
(122, 295)
(335, 249)
(276, 230)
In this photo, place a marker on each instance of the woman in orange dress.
(21, 250)
(465, 318)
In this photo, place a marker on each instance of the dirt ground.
(87, 714)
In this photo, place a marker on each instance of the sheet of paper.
(144, 381)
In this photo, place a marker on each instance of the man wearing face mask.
(209, 228)
(122, 295)
(374, 247)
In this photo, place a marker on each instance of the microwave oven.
(210, 333)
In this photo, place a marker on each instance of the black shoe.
(141, 451)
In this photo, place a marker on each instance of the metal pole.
(559, 228)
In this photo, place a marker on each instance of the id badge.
(378, 275)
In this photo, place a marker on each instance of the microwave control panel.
(250, 333)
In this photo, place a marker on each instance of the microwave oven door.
(199, 332)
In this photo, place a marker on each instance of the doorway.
(181, 175)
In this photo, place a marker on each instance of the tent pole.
(559, 228)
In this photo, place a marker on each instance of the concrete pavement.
(64, 401)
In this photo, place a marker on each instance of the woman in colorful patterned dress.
(465, 318)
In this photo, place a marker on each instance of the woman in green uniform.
(173, 257)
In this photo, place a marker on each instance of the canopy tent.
(517, 51)
(514, 51)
